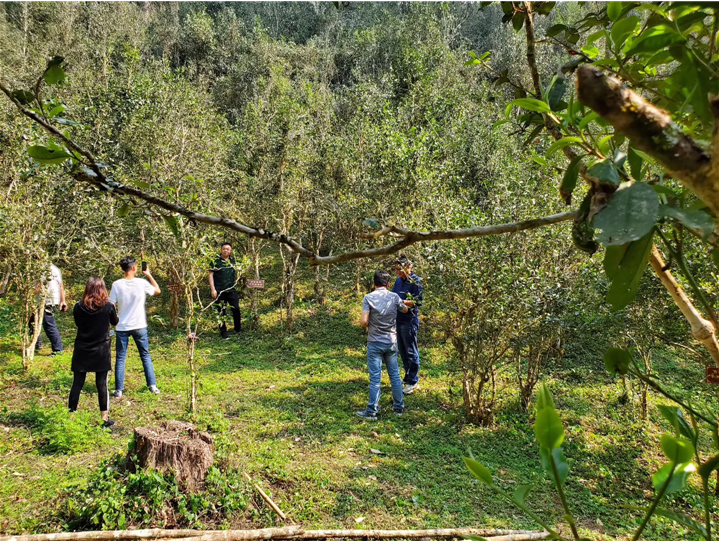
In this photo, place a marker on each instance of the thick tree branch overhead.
(91, 173)
(651, 130)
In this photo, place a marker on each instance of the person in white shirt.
(54, 299)
(129, 296)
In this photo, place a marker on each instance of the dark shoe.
(224, 334)
(366, 415)
(398, 412)
(56, 353)
(109, 423)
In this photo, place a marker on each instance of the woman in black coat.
(93, 317)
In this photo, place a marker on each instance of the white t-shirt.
(53, 286)
(129, 297)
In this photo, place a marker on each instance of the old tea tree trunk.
(175, 446)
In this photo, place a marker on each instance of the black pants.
(78, 382)
(232, 298)
(50, 327)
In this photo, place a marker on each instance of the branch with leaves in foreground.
(88, 170)
(652, 131)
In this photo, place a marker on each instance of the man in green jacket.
(223, 278)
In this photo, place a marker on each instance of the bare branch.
(439, 235)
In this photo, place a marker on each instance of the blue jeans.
(143, 346)
(50, 327)
(376, 354)
(408, 350)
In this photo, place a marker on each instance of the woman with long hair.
(93, 317)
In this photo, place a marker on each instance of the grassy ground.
(283, 406)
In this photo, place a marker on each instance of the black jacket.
(92, 345)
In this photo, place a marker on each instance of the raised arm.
(152, 281)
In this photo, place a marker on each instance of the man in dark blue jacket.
(409, 287)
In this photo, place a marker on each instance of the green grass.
(281, 407)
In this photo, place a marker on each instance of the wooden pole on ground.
(266, 498)
(295, 533)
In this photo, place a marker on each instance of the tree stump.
(176, 446)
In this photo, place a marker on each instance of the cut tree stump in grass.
(175, 446)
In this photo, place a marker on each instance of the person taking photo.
(93, 316)
(129, 295)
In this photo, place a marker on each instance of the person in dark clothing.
(223, 278)
(93, 317)
(409, 287)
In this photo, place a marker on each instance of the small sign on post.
(256, 283)
(713, 375)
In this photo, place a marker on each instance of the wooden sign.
(713, 375)
(176, 287)
(256, 283)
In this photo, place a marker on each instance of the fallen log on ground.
(291, 533)
(435, 533)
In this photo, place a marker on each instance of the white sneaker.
(117, 394)
(154, 389)
(409, 389)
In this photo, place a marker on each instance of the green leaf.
(683, 520)
(545, 8)
(139, 184)
(561, 144)
(613, 256)
(518, 20)
(556, 92)
(605, 171)
(592, 51)
(592, 116)
(124, 209)
(172, 224)
(540, 160)
(676, 419)
(531, 104)
(628, 272)
(617, 360)
(655, 38)
(556, 29)
(629, 215)
(614, 10)
(571, 174)
(706, 469)
(548, 428)
(47, 156)
(679, 479)
(500, 123)
(25, 97)
(56, 111)
(54, 74)
(520, 494)
(537, 130)
(478, 470)
(677, 449)
(691, 218)
(559, 460)
(544, 398)
(635, 164)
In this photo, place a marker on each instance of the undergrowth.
(114, 498)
